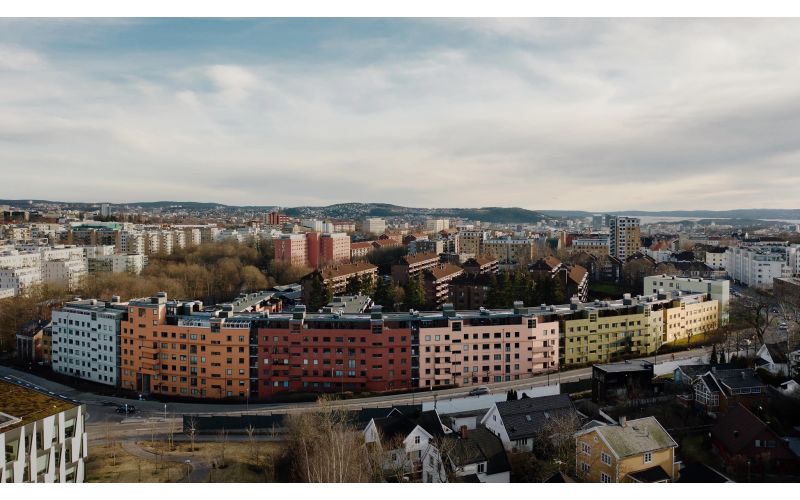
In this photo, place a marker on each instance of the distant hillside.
(486, 214)
(744, 213)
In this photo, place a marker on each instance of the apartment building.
(174, 348)
(599, 246)
(467, 348)
(18, 281)
(510, 251)
(66, 273)
(313, 249)
(471, 241)
(426, 246)
(436, 225)
(118, 263)
(718, 290)
(480, 265)
(717, 258)
(374, 225)
(436, 282)
(411, 266)
(603, 331)
(333, 352)
(85, 340)
(624, 238)
(360, 249)
(757, 265)
(43, 437)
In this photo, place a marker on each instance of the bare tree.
(191, 431)
(754, 310)
(554, 444)
(251, 431)
(223, 439)
(324, 447)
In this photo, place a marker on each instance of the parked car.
(126, 409)
(478, 391)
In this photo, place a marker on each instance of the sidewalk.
(198, 474)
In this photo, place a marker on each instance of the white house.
(518, 423)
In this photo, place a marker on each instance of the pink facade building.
(478, 347)
(315, 250)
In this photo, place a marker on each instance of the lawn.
(112, 464)
(232, 462)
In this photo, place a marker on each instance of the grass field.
(103, 467)
(233, 462)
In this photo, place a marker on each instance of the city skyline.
(539, 114)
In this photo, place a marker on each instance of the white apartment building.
(66, 273)
(17, 281)
(717, 260)
(624, 237)
(313, 224)
(758, 265)
(86, 340)
(132, 242)
(374, 225)
(43, 437)
(436, 225)
(118, 263)
(718, 290)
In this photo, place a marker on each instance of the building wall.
(85, 344)
(464, 354)
(312, 357)
(619, 468)
(41, 445)
(718, 290)
(210, 360)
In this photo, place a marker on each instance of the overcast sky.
(541, 114)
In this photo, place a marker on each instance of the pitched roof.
(360, 244)
(419, 257)
(398, 424)
(559, 477)
(444, 271)
(526, 417)
(481, 445)
(654, 474)
(577, 274)
(737, 429)
(777, 351)
(739, 378)
(636, 437)
(480, 260)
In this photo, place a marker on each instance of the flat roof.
(26, 405)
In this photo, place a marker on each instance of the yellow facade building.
(636, 451)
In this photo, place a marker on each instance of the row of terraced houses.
(180, 348)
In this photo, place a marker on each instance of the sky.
(583, 114)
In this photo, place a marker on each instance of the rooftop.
(626, 366)
(525, 417)
(22, 406)
(635, 437)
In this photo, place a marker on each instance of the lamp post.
(165, 412)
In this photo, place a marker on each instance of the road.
(100, 414)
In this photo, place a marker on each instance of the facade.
(436, 282)
(85, 340)
(624, 239)
(759, 265)
(718, 290)
(599, 246)
(29, 342)
(43, 437)
(360, 250)
(625, 381)
(471, 241)
(466, 348)
(787, 290)
(411, 266)
(436, 225)
(18, 281)
(601, 331)
(426, 246)
(510, 251)
(717, 258)
(312, 249)
(720, 389)
(173, 348)
(635, 451)
(374, 225)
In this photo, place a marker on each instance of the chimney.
(622, 421)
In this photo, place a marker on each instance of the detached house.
(636, 451)
(773, 358)
(718, 390)
(519, 423)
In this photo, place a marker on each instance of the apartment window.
(605, 478)
(586, 449)
(585, 468)
(648, 457)
(416, 439)
(481, 468)
(605, 458)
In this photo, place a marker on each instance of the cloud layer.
(557, 114)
